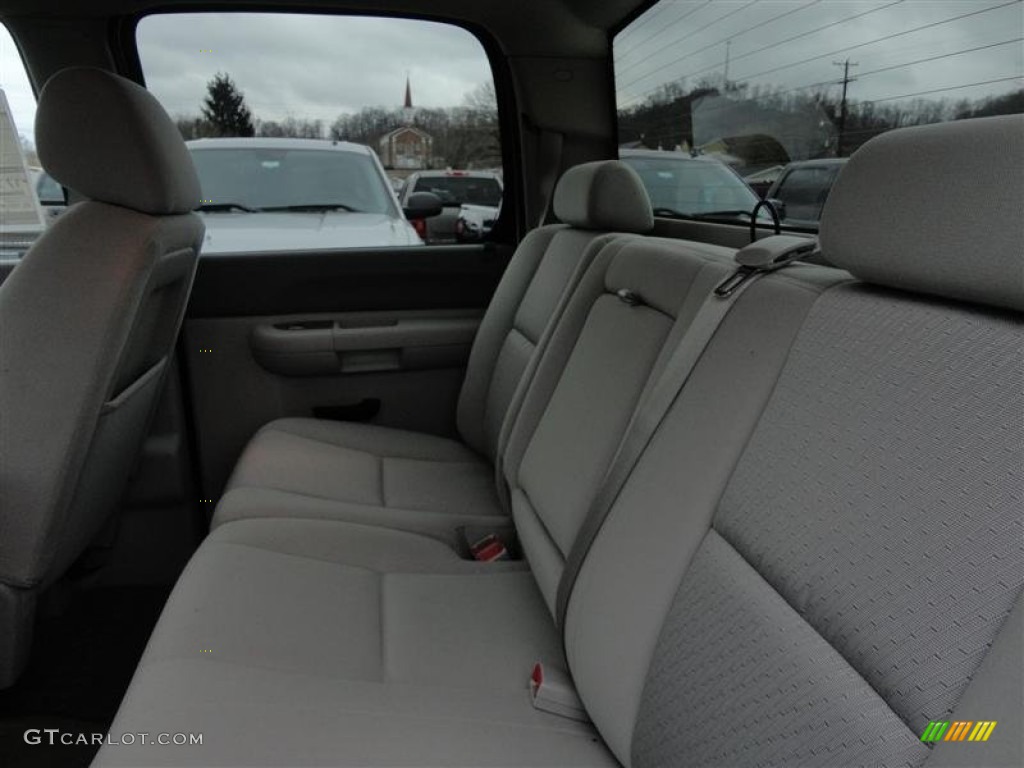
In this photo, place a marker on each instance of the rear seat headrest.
(606, 195)
(109, 139)
(935, 209)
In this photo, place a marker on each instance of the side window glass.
(318, 132)
(22, 219)
(790, 89)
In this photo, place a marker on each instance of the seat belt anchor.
(552, 691)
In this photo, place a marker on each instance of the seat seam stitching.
(346, 501)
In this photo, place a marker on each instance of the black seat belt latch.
(763, 256)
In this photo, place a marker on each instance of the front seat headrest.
(110, 140)
(934, 209)
(606, 195)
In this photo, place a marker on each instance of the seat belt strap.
(759, 258)
(549, 160)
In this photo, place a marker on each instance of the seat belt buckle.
(551, 690)
(489, 549)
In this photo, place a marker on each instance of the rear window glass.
(684, 185)
(803, 191)
(759, 84)
(456, 190)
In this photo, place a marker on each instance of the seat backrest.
(820, 546)
(590, 200)
(88, 320)
(624, 317)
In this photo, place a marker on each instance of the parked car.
(475, 222)
(268, 194)
(800, 191)
(455, 188)
(684, 186)
(49, 192)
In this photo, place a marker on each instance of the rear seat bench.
(819, 551)
(413, 481)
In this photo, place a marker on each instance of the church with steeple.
(406, 148)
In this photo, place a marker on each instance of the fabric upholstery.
(605, 195)
(925, 432)
(739, 679)
(932, 209)
(59, 383)
(110, 140)
(594, 374)
(497, 328)
(665, 507)
(529, 301)
(404, 653)
(364, 464)
(88, 320)
(819, 550)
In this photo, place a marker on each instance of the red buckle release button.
(489, 549)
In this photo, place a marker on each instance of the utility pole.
(842, 106)
(728, 45)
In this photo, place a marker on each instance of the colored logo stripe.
(958, 730)
(982, 730)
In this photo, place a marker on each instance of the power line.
(906, 64)
(631, 31)
(776, 94)
(733, 12)
(668, 26)
(846, 49)
(942, 90)
(842, 106)
(770, 46)
(759, 25)
(894, 35)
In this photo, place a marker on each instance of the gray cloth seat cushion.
(310, 642)
(358, 466)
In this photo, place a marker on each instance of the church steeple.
(408, 111)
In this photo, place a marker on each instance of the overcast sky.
(312, 67)
(688, 38)
(318, 67)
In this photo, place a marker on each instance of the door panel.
(378, 336)
(237, 387)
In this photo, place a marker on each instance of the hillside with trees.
(464, 136)
(665, 119)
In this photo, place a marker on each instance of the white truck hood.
(240, 232)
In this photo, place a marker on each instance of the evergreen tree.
(224, 108)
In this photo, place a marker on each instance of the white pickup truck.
(475, 221)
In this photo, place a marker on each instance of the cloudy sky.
(318, 67)
(793, 43)
(312, 67)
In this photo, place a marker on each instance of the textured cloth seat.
(349, 644)
(88, 326)
(385, 476)
(355, 470)
(818, 552)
